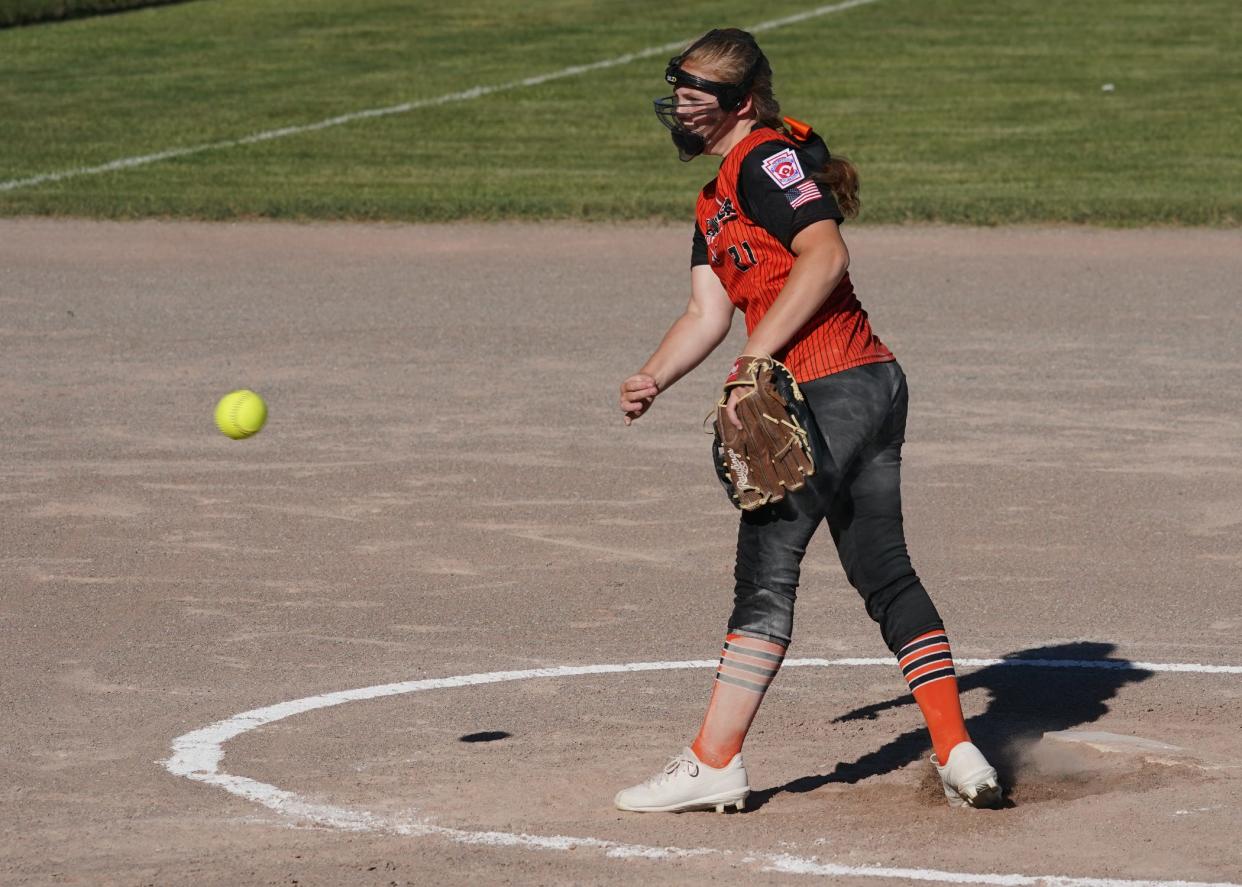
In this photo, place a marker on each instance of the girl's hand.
(637, 393)
(736, 394)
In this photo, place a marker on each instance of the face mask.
(672, 112)
(729, 96)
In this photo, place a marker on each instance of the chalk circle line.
(197, 755)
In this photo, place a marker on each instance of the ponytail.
(841, 178)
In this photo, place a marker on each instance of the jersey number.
(742, 265)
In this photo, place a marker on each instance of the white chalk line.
(197, 755)
(405, 107)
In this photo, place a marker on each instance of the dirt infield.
(445, 488)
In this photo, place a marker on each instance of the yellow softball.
(240, 414)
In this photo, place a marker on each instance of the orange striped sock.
(747, 666)
(927, 663)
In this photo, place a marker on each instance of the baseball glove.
(771, 453)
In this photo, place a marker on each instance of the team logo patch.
(784, 169)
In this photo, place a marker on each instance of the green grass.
(970, 111)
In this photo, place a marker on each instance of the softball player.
(767, 243)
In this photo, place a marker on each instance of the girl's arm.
(821, 261)
(693, 336)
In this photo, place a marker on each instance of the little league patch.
(784, 169)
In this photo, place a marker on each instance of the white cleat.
(969, 780)
(686, 783)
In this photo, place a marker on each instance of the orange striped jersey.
(746, 219)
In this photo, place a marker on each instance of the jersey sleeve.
(776, 190)
(698, 250)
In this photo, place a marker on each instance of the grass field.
(956, 110)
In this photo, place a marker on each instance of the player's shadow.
(1025, 702)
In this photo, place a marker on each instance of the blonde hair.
(727, 55)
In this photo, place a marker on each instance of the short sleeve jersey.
(746, 221)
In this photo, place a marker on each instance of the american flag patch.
(804, 193)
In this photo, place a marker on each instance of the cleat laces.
(680, 762)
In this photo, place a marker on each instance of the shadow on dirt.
(1026, 702)
(485, 736)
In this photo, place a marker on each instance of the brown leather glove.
(771, 453)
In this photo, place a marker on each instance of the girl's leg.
(747, 666)
(710, 773)
(866, 523)
(770, 546)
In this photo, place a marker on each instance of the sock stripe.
(922, 661)
(927, 669)
(747, 667)
(752, 680)
(926, 659)
(745, 660)
(733, 647)
(925, 647)
(726, 662)
(745, 685)
(932, 676)
(939, 638)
